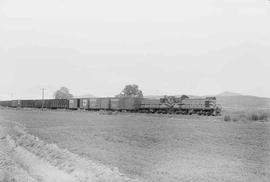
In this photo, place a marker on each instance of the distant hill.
(243, 102)
(228, 94)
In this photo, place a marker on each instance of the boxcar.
(94, 103)
(131, 103)
(15, 103)
(104, 103)
(47, 103)
(38, 103)
(115, 104)
(59, 104)
(126, 103)
(27, 103)
(84, 103)
(6, 103)
(74, 103)
(99, 103)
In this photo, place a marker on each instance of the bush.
(227, 117)
(258, 117)
(253, 117)
(263, 117)
(247, 116)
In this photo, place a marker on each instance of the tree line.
(131, 90)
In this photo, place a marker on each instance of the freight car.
(28, 103)
(74, 104)
(15, 103)
(58, 104)
(84, 104)
(5, 103)
(125, 103)
(104, 103)
(94, 103)
(153, 106)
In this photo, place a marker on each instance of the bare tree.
(63, 93)
(131, 91)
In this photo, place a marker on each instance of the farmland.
(148, 147)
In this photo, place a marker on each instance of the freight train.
(165, 105)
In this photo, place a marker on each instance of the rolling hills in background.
(228, 94)
(230, 100)
(243, 102)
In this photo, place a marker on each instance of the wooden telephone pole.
(42, 98)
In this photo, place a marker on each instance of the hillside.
(228, 94)
(244, 102)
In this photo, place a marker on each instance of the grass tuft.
(247, 116)
(227, 117)
(258, 117)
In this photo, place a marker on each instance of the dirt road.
(25, 158)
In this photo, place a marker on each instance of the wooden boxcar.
(15, 103)
(94, 104)
(125, 103)
(59, 104)
(27, 103)
(74, 103)
(84, 103)
(104, 103)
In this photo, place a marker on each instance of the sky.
(167, 47)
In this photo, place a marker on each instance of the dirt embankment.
(25, 158)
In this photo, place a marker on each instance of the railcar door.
(207, 104)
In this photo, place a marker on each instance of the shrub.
(258, 117)
(251, 115)
(227, 117)
(263, 117)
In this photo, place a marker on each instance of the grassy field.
(157, 148)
